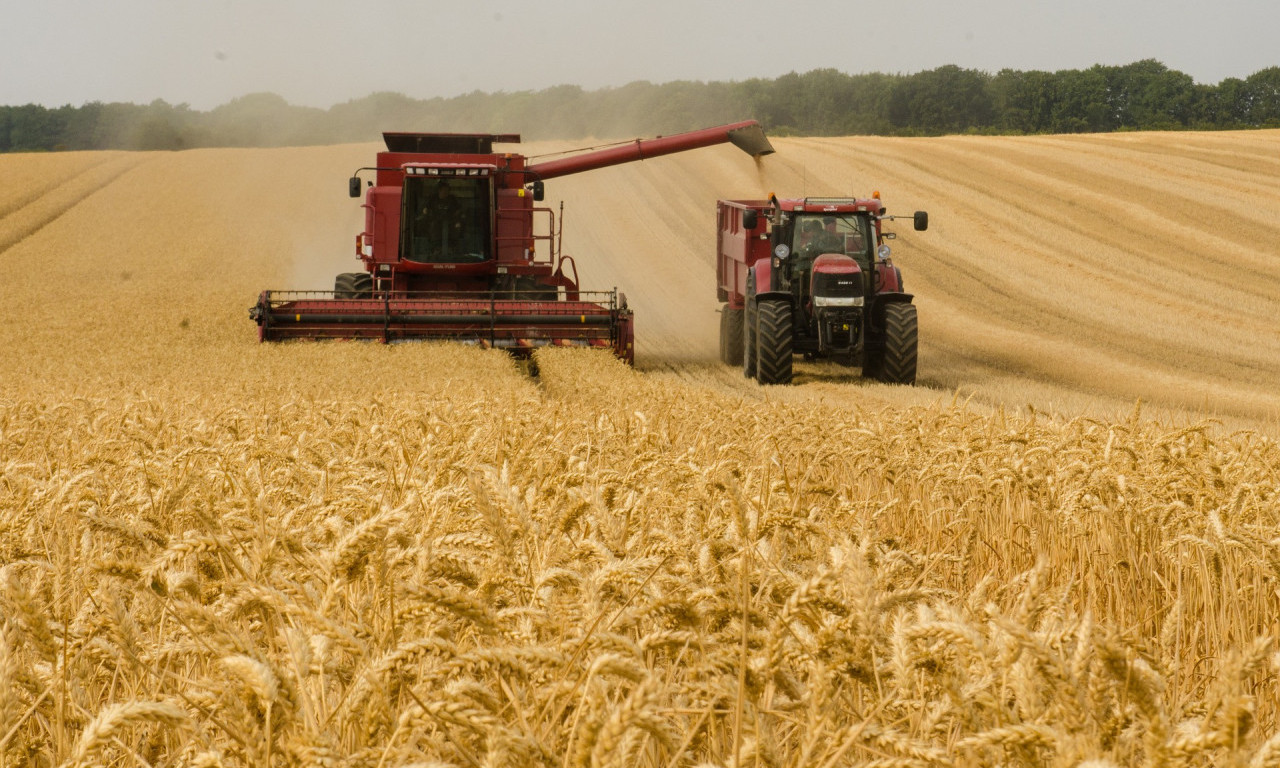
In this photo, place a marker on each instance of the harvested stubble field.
(217, 553)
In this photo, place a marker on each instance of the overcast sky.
(322, 52)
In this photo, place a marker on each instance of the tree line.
(1145, 95)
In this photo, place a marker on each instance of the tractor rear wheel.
(774, 342)
(901, 332)
(749, 342)
(730, 335)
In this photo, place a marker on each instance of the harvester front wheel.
(352, 285)
(774, 342)
(901, 338)
(731, 335)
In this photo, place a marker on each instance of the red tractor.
(813, 276)
(454, 247)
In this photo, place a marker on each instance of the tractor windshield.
(446, 219)
(816, 234)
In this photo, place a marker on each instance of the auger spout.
(747, 136)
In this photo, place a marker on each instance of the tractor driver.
(813, 241)
(816, 240)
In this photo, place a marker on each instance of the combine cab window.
(446, 220)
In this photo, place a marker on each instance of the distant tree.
(264, 120)
(1219, 106)
(1081, 103)
(1262, 97)
(1142, 95)
(1025, 102)
(80, 126)
(943, 100)
(33, 128)
(1148, 95)
(778, 104)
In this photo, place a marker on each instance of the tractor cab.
(447, 214)
(806, 233)
(815, 234)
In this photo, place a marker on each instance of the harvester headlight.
(837, 301)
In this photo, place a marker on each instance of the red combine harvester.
(813, 276)
(454, 248)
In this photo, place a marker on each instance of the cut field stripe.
(39, 212)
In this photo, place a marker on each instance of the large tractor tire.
(730, 336)
(901, 332)
(749, 342)
(774, 336)
(353, 285)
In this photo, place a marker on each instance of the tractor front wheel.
(352, 285)
(774, 342)
(901, 332)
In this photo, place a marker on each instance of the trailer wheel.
(774, 344)
(749, 342)
(730, 335)
(901, 332)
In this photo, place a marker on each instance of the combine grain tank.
(455, 246)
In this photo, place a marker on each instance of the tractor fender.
(762, 275)
(888, 278)
(881, 300)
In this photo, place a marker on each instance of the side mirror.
(539, 191)
(921, 220)
(353, 186)
(750, 218)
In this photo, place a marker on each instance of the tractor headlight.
(837, 301)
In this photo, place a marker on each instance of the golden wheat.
(216, 553)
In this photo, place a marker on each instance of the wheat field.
(1060, 549)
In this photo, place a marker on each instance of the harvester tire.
(901, 332)
(363, 284)
(344, 285)
(730, 336)
(774, 335)
(749, 342)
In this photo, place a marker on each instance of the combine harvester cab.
(455, 247)
(813, 276)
